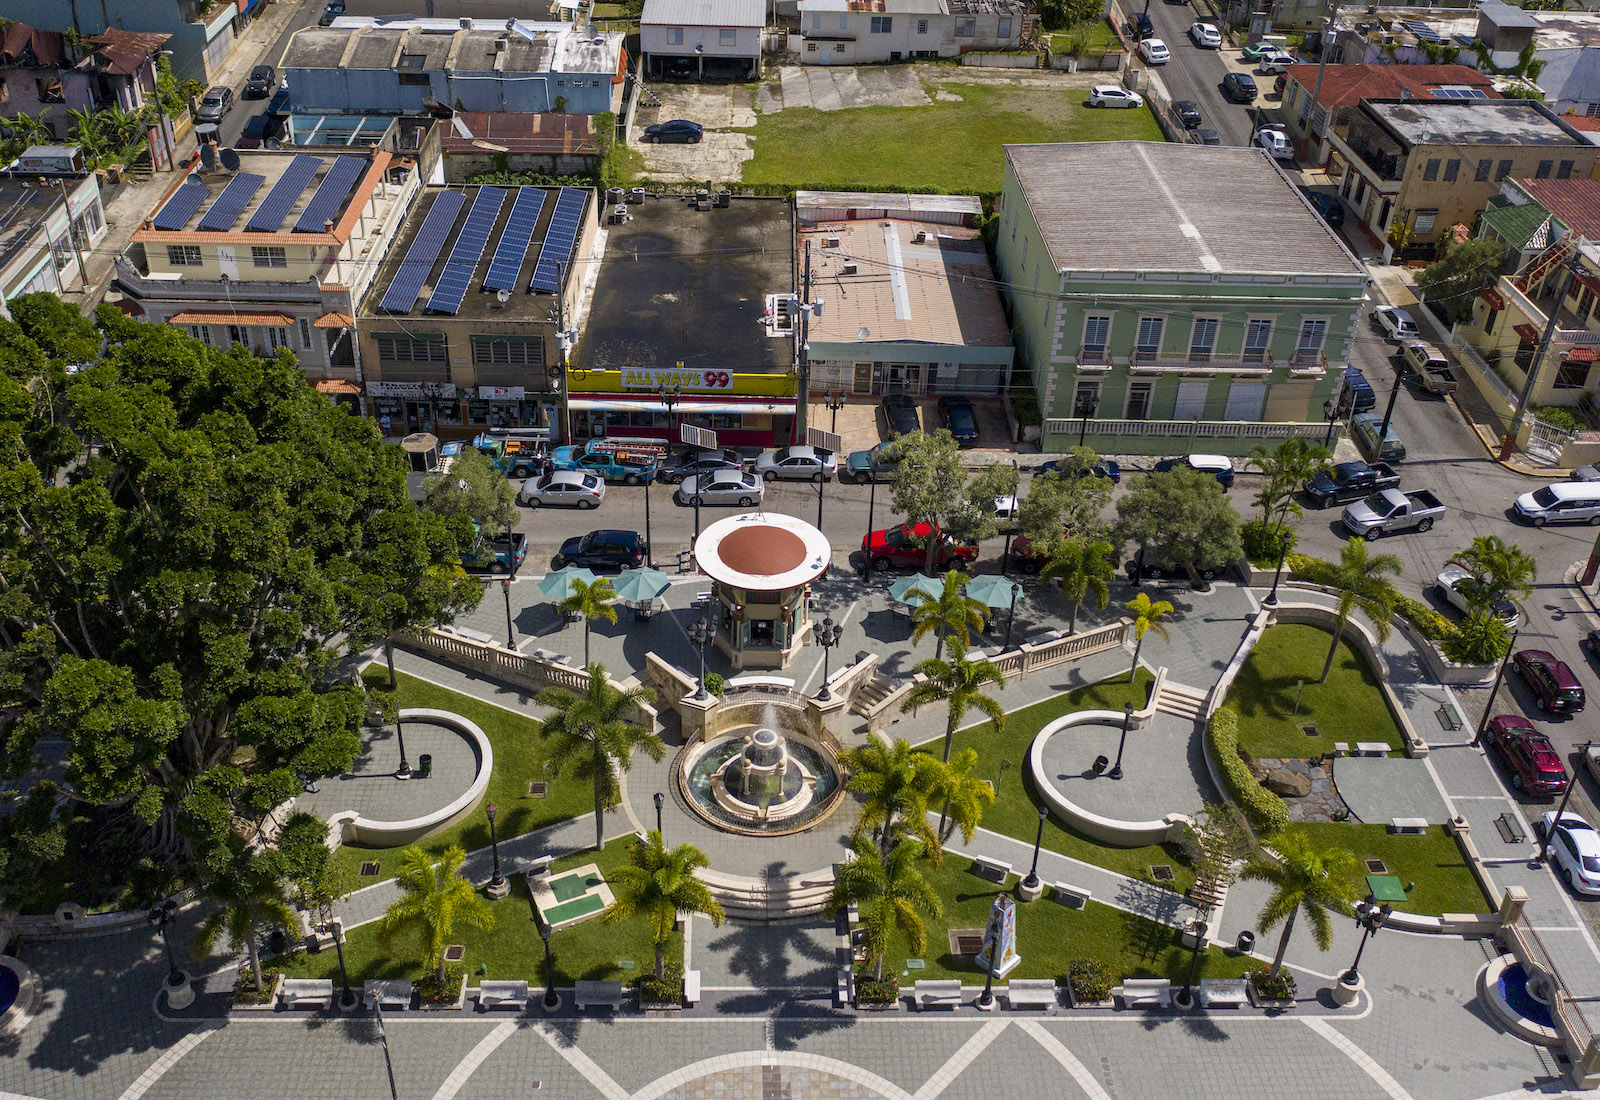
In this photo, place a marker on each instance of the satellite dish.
(863, 332)
(229, 159)
(502, 295)
(208, 157)
(194, 178)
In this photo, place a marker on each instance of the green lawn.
(1049, 936)
(944, 146)
(519, 757)
(1100, 37)
(1016, 808)
(1350, 707)
(592, 951)
(1433, 860)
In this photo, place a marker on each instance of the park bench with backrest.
(502, 994)
(1144, 992)
(307, 993)
(391, 993)
(599, 994)
(1223, 992)
(1024, 993)
(1073, 897)
(937, 993)
(993, 869)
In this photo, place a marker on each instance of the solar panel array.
(330, 193)
(425, 248)
(514, 239)
(269, 216)
(467, 251)
(1423, 32)
(559, 239)
(1459, 92)
(182, 205)
(231, 203)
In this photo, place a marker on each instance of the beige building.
(274, 254)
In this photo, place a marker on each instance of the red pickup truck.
(906, 546)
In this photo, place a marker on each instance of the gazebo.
(761, 565)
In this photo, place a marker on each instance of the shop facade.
(745, 410)
(455, 412)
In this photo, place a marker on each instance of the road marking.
(957, 1063)
(1069, 1061)
(578, 1060)
(1360, 1057)
(170, 1058)
(468, 1065)
(745, 1059)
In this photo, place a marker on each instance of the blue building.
(203, 34)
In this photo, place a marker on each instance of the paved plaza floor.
(371, 788)
(1163, 772)
(1379, 789)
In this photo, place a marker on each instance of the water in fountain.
(769, 778)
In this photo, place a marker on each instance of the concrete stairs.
(871, 693)
(760, 899)
(1181, 700)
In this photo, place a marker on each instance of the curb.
(1571, 578)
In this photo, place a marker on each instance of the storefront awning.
(1528, 333)
(337, 385)
(684, 408)
(1581, 355)
(217, 317)
(1492, 296)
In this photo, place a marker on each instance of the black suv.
(1140, 26)
(259, 85)
(1239, 87)
(602, 551)
(1188, 112)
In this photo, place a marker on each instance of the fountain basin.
(21, 995)
(1518, 1004)
(758, 782)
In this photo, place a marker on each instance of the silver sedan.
(572, 488)
(722, 487)
(798, 463)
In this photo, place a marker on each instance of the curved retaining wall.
(350, 827)
(1107, 830)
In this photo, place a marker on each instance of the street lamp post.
(698, 634)
(1544, 850)
(1369, 918)
(827, 639)
(1086, 409)
(872, 506)
(1185, 997)
(404, 770)
(649, 547)
(822, 483)
(1031, 884)
(498, 886)
(835, 401)
(1011, 620)
(347, 996)
(511, 630)
(660, 800)
(1330, 412)
(1500, 673)
(551, 1001)
(1283, 552)
(1127, 717)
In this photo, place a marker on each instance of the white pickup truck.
(1391, 510)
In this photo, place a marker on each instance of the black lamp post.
(551, 1001)
(872, 506)
(1127, 717)
(347, 996)
(1086, 409)
(1369, 918)
(649, 547)
(1011, 619)
(1500, 674)
(1283, 552)
(1185, 997)
(827, 638)
(1330, 413)
(660, 800)
(1032, 881)
(161, 916)
(699, 633)
(511, 633)
(497, 882)
(835, 401)
(986, 1002)
(404, 770)
(822, 482)
(1388, 411)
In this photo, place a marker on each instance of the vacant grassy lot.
(945, 146)
(1433, 861)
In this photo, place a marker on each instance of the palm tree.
(434, 897)
(950, 613)
(963, 793)
(591, 600)
(891, 894)
(592, 732)
(1083, 569)
(1287, 466)
(246, 898)
(86, 130)
(1147, 616)
(1500, 570)
(898, 784)
(960, 683)
(657, 885)
(1306, 879)
(1359, 579)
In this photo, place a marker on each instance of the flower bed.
(1088, 983)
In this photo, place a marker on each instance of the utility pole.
(1509, 443)
(561, 344)
(1329, 22)
(801, 408)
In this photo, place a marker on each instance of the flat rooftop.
(478, 302)
(444, 45)
(904, 281)
(684, 285)
(1472, 122)
(21, 207)
(1155, 206)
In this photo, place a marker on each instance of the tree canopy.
(929, 485)
(1180, 516)
(1449, 283)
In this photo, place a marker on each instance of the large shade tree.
(1181, 517)
(930, 484)
(191, 539)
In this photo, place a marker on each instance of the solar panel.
(269, 216)
(514, 239)
(425, 247)
(1423, 32)
(468, 250)
(182, 205)
(231, 203)
(559, 239)
(330, 193)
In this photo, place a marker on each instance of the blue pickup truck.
(631, 463)
(504, 554)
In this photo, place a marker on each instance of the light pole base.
(551, 1006)
(403, 772)
(1115, 772)
(1183, 999)
(981, 1007)
(180, 995)
(1345, 992)
(498, 888)
(1030, 888)
(349, 1001)
(1270, 601)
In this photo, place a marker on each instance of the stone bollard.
(1345, 992)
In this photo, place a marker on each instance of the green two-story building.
(1172, 297)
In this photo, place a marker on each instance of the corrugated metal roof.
(1516, 225)
(705, 13)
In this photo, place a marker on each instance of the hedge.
(1429, 623)
(1267, 812)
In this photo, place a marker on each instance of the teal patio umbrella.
(990, 590)
(900, 591)
(558, 585)
(641, 584)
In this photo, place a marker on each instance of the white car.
(572, 488)
(1396, 322)
(1205, 36)
(1154, 52)
(798, 463)
(1275, 61)
(1275, 141)
(1456, 586)
(1109, 95)
(722, 487)
(1574, 848)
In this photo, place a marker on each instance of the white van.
(1566, 502)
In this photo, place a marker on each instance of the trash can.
(1246, 942)
(425, 766)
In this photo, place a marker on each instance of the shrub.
(435, 990)
(1261, 542)
(715, 683)
(667, 990)
(1558, 416)
(1479, 640)
(1089, 980)
(1266, 811)
(244, 987)
(869, 992)
(1280, 988)
(1429, 623)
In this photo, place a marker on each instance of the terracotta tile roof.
(1581, 355)
(221, 317)
(123, 52)
(1529, 333)
(1495, 299)
(1582, 122)
(334, 320)
(1573, 202)
(336, 385)
(1348, 85)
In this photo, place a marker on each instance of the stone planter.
(1074, 1002)
(1270, 1004)
(448, 1006)
(269, 1005)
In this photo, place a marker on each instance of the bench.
(307, 993)
(1073, 897)
(1031, 993)
(1510, 829)
(502, 994)
(691, 988)
(1372, 748)
(388, 992)
(1142, 992)
(995, 869)
(1448, 717)
(538, 866)
(843, 981)
(597, 994)
(1341, 748)
(1223, 992)
(937, 993)
(1409, 826)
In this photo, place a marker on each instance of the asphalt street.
(306, 15)
(1196, 74)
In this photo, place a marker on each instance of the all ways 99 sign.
(689, 381)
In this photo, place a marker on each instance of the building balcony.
(1570, 328)
(1249, 361)
(161, 285)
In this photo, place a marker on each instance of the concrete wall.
(351, 828)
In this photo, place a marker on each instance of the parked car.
(601, 551)
(258, 131)
(1218, 466)
(956, 414)
(1140, 27)
(1572, 844)
(1275, 140)
(1396, 323)
(1364, 427)
(1188, 112)
(1565, 502)
(1349, 481)
(679, 467)
(1109, 95)
(900, 415)
(1555, 687)
(906, 546)
(1534, 764)
(723, 487)
(1356, 394)
(1266, 44)
(678, 130)
(1205, 137)
(330, 13)
(1275, 61)
(1205, 36)
(1427, 367)
(1153, 51)
(1458, 588)
(1106, 468)
(215, 104)
(1390, 510)
(865, 467)
(1239, 87)
(1586, 473)
(260, 82)
(798, 463)
(279, 106)
(503, 554)
(570, 488)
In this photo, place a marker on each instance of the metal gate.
(1546, 442)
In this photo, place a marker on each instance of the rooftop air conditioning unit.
(921, 237)
(500, 44)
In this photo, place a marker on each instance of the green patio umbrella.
(641, 584)
(900, 591)
(558, 585)
(990, 590)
